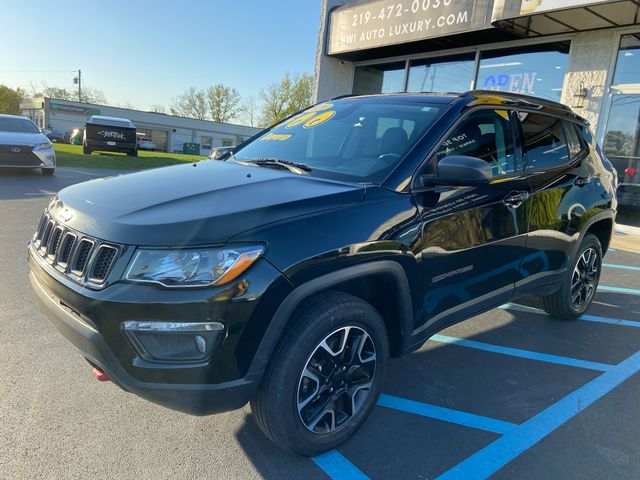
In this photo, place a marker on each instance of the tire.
(328, 319)
(132, 153)
(48, 171)
(561, 304)
(86, 150)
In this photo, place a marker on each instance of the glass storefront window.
(384, 78)
(451, 74)
(628, 64)
(533, 70)
(622, 142)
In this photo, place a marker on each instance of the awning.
(537, 18)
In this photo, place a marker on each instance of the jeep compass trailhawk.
(351, 232)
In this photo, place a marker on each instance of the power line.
(38, 71)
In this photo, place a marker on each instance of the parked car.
(218, 153)
(146, 144)
(23, 145)
(109, 134)
(349, 233)
(55, 136)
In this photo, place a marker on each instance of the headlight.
(192, 267)
(43, 146)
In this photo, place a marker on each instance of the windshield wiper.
(277, 163)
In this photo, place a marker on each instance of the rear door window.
(544, 144)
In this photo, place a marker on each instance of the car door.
(472, 238)
(561, 184)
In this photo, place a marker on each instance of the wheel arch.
(603, 229)
(397, 313)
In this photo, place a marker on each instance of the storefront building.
(168, 132)
(585, 54)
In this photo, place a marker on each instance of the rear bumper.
(104, 146)
(194, 399)
(629, 195)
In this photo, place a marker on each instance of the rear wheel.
(85, 149)
(325, 377)
(580, 282)
(48, 171)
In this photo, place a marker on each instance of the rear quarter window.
(544, 143)
(573, 139)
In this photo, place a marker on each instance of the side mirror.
(459, 170)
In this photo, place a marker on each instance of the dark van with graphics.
(288, 274)
(109, 134)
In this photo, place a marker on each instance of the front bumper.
(91, 321)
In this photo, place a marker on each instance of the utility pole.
(78, 81)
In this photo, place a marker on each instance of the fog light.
(174, 341)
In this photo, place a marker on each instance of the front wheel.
(326, 376)
(580, 282)
(48, 171)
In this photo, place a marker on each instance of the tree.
(192, 103)
(89, 95)
(248, 111)
(10, 100)
(287, 96)
(93, 95)
(59, 93)
(223, 102)
(301, 93)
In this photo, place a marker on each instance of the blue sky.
(145, 52)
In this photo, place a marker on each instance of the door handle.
(515, 199)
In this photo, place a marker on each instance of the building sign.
(387, 22)
(536, 6)
(80, 110)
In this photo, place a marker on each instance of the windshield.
(351, 139)
(17, 125)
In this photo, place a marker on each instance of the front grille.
(102, 263)
(81, 258)
(24, 156)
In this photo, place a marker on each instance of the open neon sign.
(513, 82)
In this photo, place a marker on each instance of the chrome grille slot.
(46, 234)
(40, 230)
(102, 262)
(54, 241)
(82, 259)
(82, 254)
(66, 247)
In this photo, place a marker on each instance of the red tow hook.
(100, 375)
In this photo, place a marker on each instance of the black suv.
(288, 274)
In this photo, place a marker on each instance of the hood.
(14, 138)
(203, 203)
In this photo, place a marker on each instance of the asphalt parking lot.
(508, 394)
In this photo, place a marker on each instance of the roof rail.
(527, 99)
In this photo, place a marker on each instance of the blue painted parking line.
(586, 318)
(624, 267)
(516, 352)
(446, 414)
(607, 288)
(503, 450)
(338, 467)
